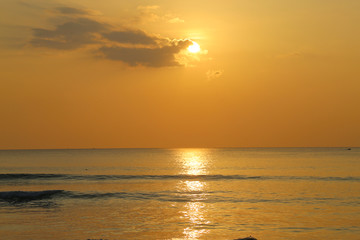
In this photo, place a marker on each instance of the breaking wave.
(25, 196)
(15, 197)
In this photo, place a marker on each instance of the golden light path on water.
(194, 162)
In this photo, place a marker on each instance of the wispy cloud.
(294, 54)
(79, 28)
(30, 5)
(175, 20)
(72, 11)
(151, 14)
(148, 7)
(213, 74)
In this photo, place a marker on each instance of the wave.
(25, 196)
(15, 197)
(29, 176)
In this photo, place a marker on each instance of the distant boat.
(349, 149)
(247, 238)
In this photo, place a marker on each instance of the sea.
(214, 193)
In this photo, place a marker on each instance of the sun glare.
(194, 48)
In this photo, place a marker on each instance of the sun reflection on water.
(194, 186)
(194, 211)
(195, 214)
(194, 162)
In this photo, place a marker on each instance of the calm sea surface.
(269, 193)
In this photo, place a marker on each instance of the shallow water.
(269, 193)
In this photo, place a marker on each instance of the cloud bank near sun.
(77, 28)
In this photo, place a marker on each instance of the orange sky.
(105, 74)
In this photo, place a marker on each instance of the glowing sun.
(194, 48)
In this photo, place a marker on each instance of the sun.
(194, 48)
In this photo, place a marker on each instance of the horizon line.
(114, 148)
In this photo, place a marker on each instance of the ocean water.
(230, 193)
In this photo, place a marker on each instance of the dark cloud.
(71, 11)
(151, 57)
(70, 35)
(131, 37)
(131, 46)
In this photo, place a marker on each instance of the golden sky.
(105, 74)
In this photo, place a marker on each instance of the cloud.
(148, 7)
(150, 14)
(152, 57)
(29, 5)
(73, 34)
(146, 14)
(294, 54)
(72, 11)
(213, 74)
(130, 37)
(78, 29)
(175, 20)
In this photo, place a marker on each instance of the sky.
(119, 74)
